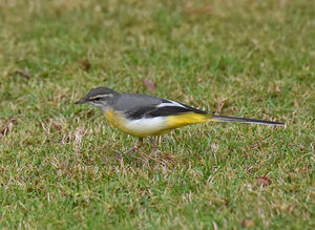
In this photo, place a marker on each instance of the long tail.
(244, 120)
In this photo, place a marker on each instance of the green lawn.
(59, 167)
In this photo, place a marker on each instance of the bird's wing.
(168, 107)
(142, 106)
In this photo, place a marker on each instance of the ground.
(59, 163)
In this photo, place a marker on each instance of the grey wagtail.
(142, 115)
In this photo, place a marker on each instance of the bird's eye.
(95, 99)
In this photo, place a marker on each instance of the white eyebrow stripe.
(101, 95)
(172, 103)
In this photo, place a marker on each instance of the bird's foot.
(136, 147)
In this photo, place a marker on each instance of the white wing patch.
(170, 103)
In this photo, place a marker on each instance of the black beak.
(81, 101)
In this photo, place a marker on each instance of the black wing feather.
(139, 112)
(154, 111)
(166, 111)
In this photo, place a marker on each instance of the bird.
(143, 115)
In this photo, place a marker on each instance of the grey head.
(100, 97)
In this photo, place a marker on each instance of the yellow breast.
(115, 119)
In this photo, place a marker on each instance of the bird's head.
(100, 97)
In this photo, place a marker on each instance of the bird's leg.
(140, 143)
(152, 140)
(135, 147)
(156, 143)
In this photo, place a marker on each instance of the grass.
(58, 166)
